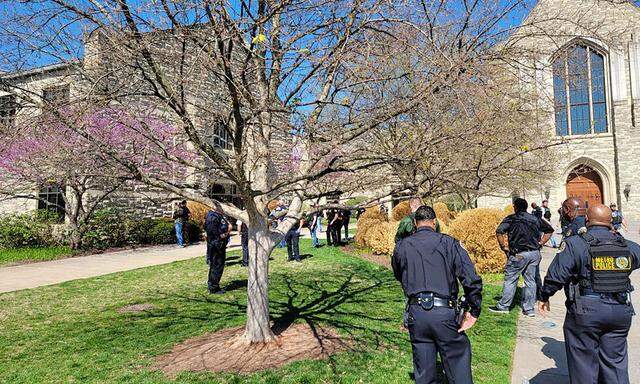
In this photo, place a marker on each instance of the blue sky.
(11, 9)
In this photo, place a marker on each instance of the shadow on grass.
(347, 301)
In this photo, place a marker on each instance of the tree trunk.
(261, 244)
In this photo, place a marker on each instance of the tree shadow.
(306, 256)
(553, 349)
(235, 285)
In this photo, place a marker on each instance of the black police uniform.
(215, 226)
(594, 269)
(429, 266)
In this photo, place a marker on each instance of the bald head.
(599, 214)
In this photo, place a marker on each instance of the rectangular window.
(221, 137)
(56, 97)
(8, 109)
(51, 198)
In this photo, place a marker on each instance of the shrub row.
(475, 229)
(107, 228)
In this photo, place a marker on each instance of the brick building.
(586, 71)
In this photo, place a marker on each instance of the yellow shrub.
(476, 229)
(444, 215)
(374, 213)
(400, 211)
(198, 212)
(444, 228)
(381, 237)
(364, 225)
(508, 209)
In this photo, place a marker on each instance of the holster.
(461, 308)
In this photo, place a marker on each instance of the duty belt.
(428, 300)
(622, 297)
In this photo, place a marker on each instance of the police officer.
(218, 231)
(429, 265)
(594, 269)
(519, 237)
(572, 214)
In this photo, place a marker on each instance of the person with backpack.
(218, 232)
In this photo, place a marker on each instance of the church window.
(579, 92)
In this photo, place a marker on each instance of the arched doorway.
(585, 182)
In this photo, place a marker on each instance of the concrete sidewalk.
(540, 352)
(53, 272)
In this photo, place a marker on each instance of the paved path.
(53, 272)
(540, 355)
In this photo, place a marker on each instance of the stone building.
(586, 71)
(63, 84)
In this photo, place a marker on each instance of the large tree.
(279, 97)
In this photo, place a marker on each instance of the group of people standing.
(593, 267)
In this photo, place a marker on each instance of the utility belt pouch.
(573, 292)
(425, 301)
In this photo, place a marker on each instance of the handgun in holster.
(461, 307)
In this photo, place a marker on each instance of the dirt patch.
(384, 260)
(226, 351)
(136, 308)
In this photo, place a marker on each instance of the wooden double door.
(584, 182)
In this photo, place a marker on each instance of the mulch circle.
(227, 351)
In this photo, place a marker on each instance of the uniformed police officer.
(429, 266)
(218, 231)
(572, 211)
(594, 269)
(519, 237)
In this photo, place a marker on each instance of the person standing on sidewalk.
(594, 269)
(519, 237)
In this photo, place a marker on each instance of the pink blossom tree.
(46, 150)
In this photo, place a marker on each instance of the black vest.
(609, 265)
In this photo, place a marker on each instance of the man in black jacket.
(218, 231)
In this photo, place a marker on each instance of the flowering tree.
(45, 150)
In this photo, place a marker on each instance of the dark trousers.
(216, 256)
(245, 249)
(595, 334)
(336, 232)
(346, 229)
(293, 245)
(434, 332)
(329, 234)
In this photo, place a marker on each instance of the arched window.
(579, 92)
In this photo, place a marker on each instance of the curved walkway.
(34, 275)
(540, 355)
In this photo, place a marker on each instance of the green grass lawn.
(20, 255)
(73, 333)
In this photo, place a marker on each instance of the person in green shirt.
(407, 226)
